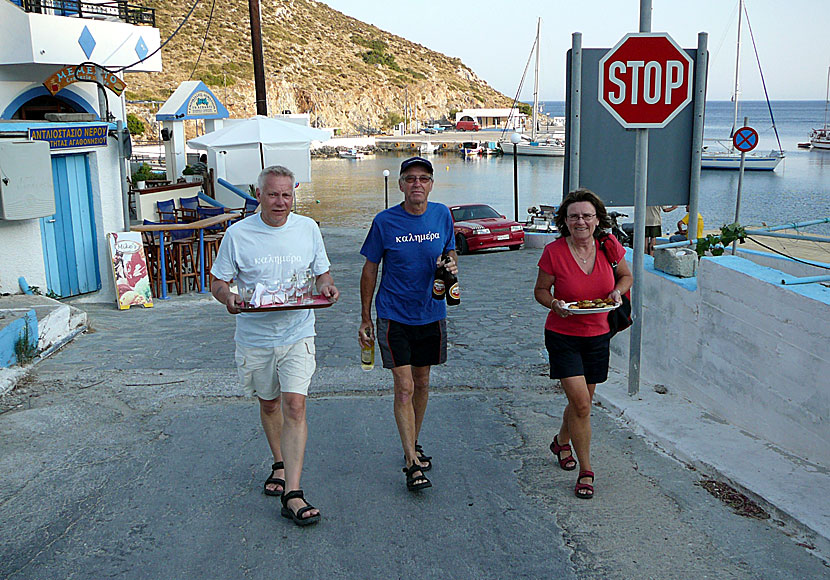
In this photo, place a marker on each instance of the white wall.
(744, 347)
(21, 254)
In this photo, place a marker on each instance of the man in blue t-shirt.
(410, 239)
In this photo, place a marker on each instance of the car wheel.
(461, 246)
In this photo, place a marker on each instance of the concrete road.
(132, 453)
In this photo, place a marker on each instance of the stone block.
(538, 240)
(680, 262)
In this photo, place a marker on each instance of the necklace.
(581, 259)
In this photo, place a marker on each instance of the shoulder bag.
(619, 318)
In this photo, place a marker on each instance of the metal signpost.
(745, 140)
(644, 82)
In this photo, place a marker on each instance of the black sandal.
(298, 518)
(416, 482)
(274, 480)
(426, 460)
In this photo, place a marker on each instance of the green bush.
(391, 119)
(134, 124)
(143, 173)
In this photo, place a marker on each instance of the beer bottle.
(451, 284)
(439, 288)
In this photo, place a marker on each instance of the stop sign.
(645, 81)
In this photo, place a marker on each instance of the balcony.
(117, 11)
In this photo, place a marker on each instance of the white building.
(510, 119)
(61, 80)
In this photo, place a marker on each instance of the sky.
(494, 38)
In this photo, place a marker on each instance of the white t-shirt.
(251, 252)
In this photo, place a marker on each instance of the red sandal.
(567, 463)
(584, 490)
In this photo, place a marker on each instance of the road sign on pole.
(645, 80)
(745, 139)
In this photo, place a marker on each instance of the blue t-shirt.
(409, 246)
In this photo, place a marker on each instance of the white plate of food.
(591, 306)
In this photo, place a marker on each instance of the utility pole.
(259, 67)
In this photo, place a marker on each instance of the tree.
(391, 119)
(134, 124)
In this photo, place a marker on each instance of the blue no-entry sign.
(745, 139)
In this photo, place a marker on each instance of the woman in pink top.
(578, 266)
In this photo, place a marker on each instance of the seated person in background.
(683, 228)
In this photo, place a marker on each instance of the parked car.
(467, 126)
(478, 226)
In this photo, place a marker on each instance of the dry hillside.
(346, 73)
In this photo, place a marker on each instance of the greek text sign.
(201, 103)
(84, 73)
(71, 137)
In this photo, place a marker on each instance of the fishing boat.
(350, 154)
(470, 148)
(728, 157)
(548, 147)
(820, 138)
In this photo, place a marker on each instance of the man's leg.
(294, 437)
(404, 406)
(420, 396)
(270, 414)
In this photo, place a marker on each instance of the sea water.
(347, 192)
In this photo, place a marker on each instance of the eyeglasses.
(584, 217)
(419, 178)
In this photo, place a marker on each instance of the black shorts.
(653, 231)
(573, 356)
(404, 344)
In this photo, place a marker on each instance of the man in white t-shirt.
(275, 350)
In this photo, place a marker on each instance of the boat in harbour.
(470, 148)
(350, 154)
(547, 147)
(427, 148)
(820, 138)
(728, 157)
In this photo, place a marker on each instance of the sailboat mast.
(536, 82)
(737, 91)
(827, 98)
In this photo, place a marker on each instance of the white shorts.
(265, 372)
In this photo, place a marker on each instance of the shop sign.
(69, 137)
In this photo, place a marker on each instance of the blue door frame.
(70, 241)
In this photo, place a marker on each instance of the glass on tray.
(246, 293)
(307, 286)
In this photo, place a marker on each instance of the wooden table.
(197, 225)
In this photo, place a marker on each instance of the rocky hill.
(344, 72)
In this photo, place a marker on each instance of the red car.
(478, 226)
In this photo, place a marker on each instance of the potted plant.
(190, 173)
(141, 175)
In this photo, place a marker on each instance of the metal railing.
(116, 10)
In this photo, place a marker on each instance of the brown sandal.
(567, 463)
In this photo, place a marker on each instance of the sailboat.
(730, 158)
(820, 138)
(551, 146)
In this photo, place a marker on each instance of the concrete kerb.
(786, 486)
(57, 324)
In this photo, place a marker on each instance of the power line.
(207, 28)
(162, 45)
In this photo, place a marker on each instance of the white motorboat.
(729, 157)
(820, 138)
(351, 154)
(470, 148)
(428, 147)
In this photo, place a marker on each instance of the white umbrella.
(249, 146)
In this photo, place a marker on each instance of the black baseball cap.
(407, 163)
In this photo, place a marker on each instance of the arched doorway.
(35, 109)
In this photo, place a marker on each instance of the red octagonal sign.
(645, 81)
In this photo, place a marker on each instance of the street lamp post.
(515, 138)
(385, 189)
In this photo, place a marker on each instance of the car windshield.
(474, 212)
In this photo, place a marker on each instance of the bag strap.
(602, 247)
